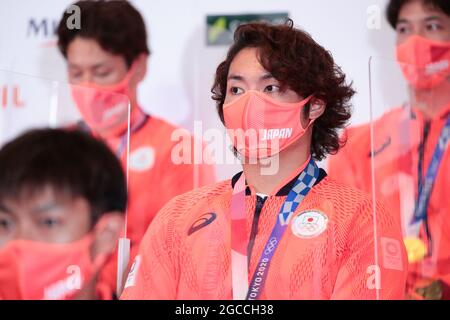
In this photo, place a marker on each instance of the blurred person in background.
(109, 54)
(62, 203)
(422, 130)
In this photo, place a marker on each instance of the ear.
(317, 109)
(107, 232)
(140, 65)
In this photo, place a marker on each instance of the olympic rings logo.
(271, 245)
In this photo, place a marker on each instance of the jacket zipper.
(258, 208)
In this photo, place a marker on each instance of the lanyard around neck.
(239, 240)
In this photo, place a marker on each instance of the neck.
(431, 103)
(136, 117)
(267, 176)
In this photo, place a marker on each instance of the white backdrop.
(181, 67)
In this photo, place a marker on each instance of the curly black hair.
(300, 64)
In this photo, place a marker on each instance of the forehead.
(246, 61)
(85, 46)
(85, 51)
(30, 199)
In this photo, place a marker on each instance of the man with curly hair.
(290, 234)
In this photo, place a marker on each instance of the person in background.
(422, 130)
(62, 203)
(106, 61)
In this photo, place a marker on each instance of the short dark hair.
(300, 64)
(116, 25)
(69, 161)
(394, 7)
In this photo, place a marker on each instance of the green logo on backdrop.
(220, 28)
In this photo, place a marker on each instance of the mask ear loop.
(123, 255)
(308, 104)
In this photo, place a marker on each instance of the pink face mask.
(260, 126)
(32, 270)
(104, 108)
(425, 63)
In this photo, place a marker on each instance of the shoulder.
(348, 203)
(184, 207)
(170, 138)
(163, 127)
(337, 192)
(357, 133)
(166, 228)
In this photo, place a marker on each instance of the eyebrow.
(267, 76)
(403, 20)
(95, 66)
(433, 18)
(38, 210)
(237, 77)
(46, 207)
(5, 209)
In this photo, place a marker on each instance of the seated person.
(410, 158)
(284, 232)
(62, 202)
